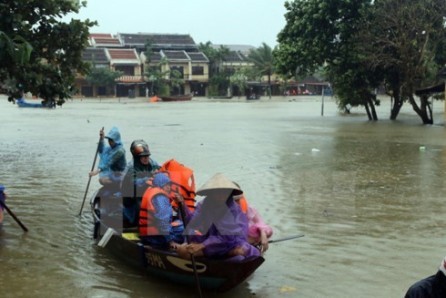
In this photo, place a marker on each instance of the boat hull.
(216, 275)
(177, 97)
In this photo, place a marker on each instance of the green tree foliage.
(321, 33)
(103, 77)
(405, 40)
(263, 60)
(218, 76)
(17, 50)
(364, 43)
(57, 47)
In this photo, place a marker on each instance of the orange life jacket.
(147, 226)
(183, 182)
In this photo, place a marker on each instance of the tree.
(57, 47)
(218, 77)
(103, 77)
(263, 61)
(405, 39)
(365, 43)
(321, 33)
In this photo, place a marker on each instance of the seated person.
(433, 286)
(218, 227)
(258, 231)
(156, 227)
(134, 184)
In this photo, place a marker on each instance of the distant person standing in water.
(433, 286)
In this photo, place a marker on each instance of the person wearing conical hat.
(218, 228)
(433, 286)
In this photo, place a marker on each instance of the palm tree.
(263, 61)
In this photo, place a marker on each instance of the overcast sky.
(246, 22)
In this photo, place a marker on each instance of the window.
(197, 70)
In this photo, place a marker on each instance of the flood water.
(369, 197)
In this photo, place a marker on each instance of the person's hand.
(238, 251)
(263, 242)
(94, 173)
(173, 245)
(182, 252)
(195, 248)
(178, 198)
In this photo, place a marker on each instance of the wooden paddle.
(192, 257)
(89, 178)
(13, 216)
(285, 238)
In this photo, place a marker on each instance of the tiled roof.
(235, 56)
(107, 41)
(159, 41)
(101, 35)
(176, 55)
(95, 55)
(142, 38)
(155, 57)
(122, 54)
(198, 57)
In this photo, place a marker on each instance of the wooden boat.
(185, 97)
(215, 275)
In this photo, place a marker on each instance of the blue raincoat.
(112, 159)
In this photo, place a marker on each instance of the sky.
(241, 22)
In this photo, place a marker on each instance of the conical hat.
(218, 181)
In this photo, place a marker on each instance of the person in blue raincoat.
(112, 159)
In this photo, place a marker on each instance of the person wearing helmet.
(156, 225)
(134, 184)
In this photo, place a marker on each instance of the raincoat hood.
(114, 135)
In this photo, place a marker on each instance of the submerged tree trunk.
(424, 110)
(370, 109)
(397, 104)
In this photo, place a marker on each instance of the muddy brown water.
(369, 197)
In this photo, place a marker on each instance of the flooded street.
(369, 197)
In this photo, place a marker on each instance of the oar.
(89, 178)
(197, 280)
(285, 238)
(13, 216)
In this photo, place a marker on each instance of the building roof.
(95, 56)
(244, 49)
(123, 56)
(101, 35)
(158, 41)
(198, 57)
(235, 56)
(175, 55)
(155, 57)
